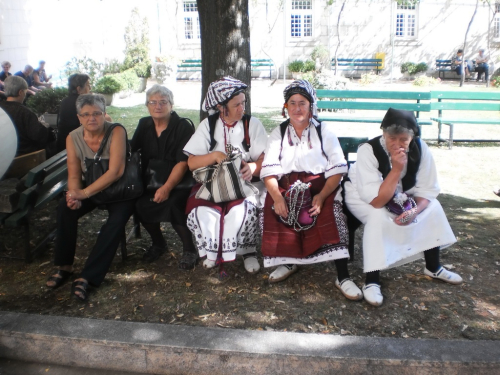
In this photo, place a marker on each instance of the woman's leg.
(204, 223)
(158, 246)
(434, 269)
(344, 282)
(371, 289)
(189, 253)
(104, 250)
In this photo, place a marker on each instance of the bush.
(128, 80)
(426, 81)
(143, 70)
(85, 65)
(296, 66)
(495, 82)
(47, 100)
(412, 68)
(309, 66)
(108, 85)
(368, 78)
(113, 67)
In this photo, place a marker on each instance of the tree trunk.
(338, 37)
(462, 77)
(225, 43)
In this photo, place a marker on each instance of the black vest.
(384, 164)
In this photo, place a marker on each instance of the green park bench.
(443, 66)
(194, 66)
(358, 65)
(476, 102)
(364, 100)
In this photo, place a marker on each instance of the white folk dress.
(386, 244)
(305, 155)
(240, 233)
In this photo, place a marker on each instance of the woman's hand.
(317, 205)
(399, 159)
(71, 200)
(161, 194)
(280, 207)
(219, 156)
(406, 217)
(245, 171)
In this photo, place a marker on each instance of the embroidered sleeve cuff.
(271, 170)
(332, 170)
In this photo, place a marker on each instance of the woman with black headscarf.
(392, 190)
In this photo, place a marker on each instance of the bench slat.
(465, 95)
(337, 104)
(370, 120)
(465, 106)
(364, 94)
(467, 121)
(38, 173)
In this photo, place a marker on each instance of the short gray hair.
(14, 84)
(162, 91)
(6, 63)
(91, 99)
(395, 129)
(28, 68)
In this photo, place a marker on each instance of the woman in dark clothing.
(78, 84)
(162, 136)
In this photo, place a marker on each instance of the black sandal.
(81, 288)
(60, 279)
(188, 260)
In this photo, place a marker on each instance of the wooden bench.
(443, 66)
(194, 66)
(464, 101)
(364, 100)
(44, 183)
(357, 65)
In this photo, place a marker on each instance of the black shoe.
(153, 253)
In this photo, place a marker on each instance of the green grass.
(129, 117)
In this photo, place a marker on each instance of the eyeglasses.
(161, 103)
(88, 115)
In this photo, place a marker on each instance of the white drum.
(8, 138)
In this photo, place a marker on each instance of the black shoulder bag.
(129, 186)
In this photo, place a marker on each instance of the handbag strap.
(106, 138)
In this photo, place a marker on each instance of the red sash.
(278, 239)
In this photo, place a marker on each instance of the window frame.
(193, 17)
(406, 13)
(306, 20)
(496, 22)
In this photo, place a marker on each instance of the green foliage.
(299, 66)
(412, 68)
(108, 85)
(112, 67)
(495, 82)
(136, 41)
(369, 78)
(47, 100)
(320, 52)
(426, 81)
(143, 70)
(85, 65)
(310, 77)
(128, 80)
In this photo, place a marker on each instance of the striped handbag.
(222, 182)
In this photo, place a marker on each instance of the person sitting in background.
(78, 84)
(32, 134)
(482, 65)
(456, 61)
(40, 78)
(5, 71)
(26, 74)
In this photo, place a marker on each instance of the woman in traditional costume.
(392, 190)
(302, 148)
(223, 230)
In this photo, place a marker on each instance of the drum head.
(9, 142)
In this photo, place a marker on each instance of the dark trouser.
(107, 242)
(482, 68)
(431, 263)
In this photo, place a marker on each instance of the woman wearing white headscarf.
(223, 230)
(302, 148)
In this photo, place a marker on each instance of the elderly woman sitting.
(393, 171)
(161, 138)
(225, 229)
(83, 143)
(304, 150)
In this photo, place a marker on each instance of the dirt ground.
(414, 305)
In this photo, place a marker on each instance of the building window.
(406, 21)
(301, 19)
(496, 22)
(191, 21)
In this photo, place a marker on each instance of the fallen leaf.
(180, 315)
(344, 332)
(44, 264)
(449, 266)
(325, 322)
(188, 284)
(404, 335)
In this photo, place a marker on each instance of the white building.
(57, 30)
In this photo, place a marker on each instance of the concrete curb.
(171, 349)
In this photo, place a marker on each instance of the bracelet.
(85, 192)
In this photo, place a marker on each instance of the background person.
(5, 70)
(394, 163)
(300, 153)
(83, 143)
(32, 135)
(457, 63)
(236, 222)
(40, 78)
(26, 74)
(162, 136)
(482, 65)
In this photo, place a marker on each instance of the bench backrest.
(350, 145)
(465, 101)
(38, 173)
(358, 63)
(440, 64)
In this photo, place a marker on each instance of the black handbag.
(129, 186)
(159, 170)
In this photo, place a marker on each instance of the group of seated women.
(302, 186)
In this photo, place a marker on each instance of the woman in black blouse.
(162, 136)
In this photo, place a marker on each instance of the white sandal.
(207, 263)
(283, 272)
(349, 289)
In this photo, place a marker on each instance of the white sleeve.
(368, 177)
(336, 160)
(271, 166)
(199, 144)
(427, 185)
(258, 138)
